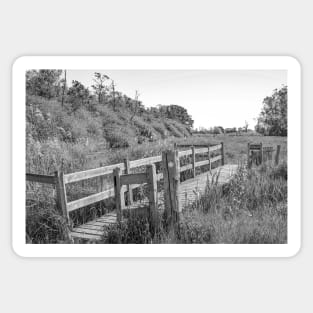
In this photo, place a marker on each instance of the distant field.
(235, 147)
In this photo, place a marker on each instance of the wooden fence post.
(153, 193)
(129, 189)
(62, 199)
(101, 180)
(170, 164)
(193, 160)
(119, 193)
(223, 153)
(277, 155)
(209, 155)
(261, 153)
(249, 163)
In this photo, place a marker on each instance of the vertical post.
(249, 163)
(261, 153)
(119, 193)
(153, 193)
(175, 145)
(193, 160)
(223, 153)
(101, 180)
(170, 164)
(129, 189)
(61, 194)
(277, 155)
(209, 156)
(61, 198)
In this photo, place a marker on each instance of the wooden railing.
(127, 182)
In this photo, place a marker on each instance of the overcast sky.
(213, 97)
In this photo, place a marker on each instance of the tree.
(135, 106)
(78, 95)
(64, 87)
(99, 86)
(273, 117)
(44, 83)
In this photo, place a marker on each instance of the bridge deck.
(190, 191)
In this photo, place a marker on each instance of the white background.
(163, 28)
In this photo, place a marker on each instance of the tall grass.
(251, 208)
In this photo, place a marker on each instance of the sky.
(225, 98)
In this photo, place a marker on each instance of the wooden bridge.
(172, 181)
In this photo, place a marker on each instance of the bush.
(119, 136)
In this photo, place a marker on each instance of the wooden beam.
(130, 179)
(171, 186)
(153, 194)
(277, 155)
(222, 153)
(80, 203)
(119, 194)
(193, 162)
(129, 189)
(74, 177)
(184, 153)
(145, 161)
(44, 179)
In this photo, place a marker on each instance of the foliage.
(273, 117)
(44, 83)
(99, 86)
(78, 95)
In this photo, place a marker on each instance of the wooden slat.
(44, 179)
(186, 167)
(74, 177)
(216, 147)
(145, 161)
(85, 236)
(74, 205)
(92, 226)
(88, 231)
(268, 149)
(131, 179)
(201, 163)
(255, 147)
(201, 150)
(184, 153)
(218, 157)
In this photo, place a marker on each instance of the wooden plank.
(186, 167)
(86, 236)
(74, 205)
(119, 194)
(184, 153)
(201, 163)
(61, 194)
(193, 162)
(277, 155)
(222, 153)
(129, 189)
(202, 150)
(171, 186)
(77, 176)
(131, 179)
(145, 161)
(88, 231)
(216, 147)
(268, 149)
(92, 226)
(43, 179)
(255, 146)
(153, 193)
(216, 158)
